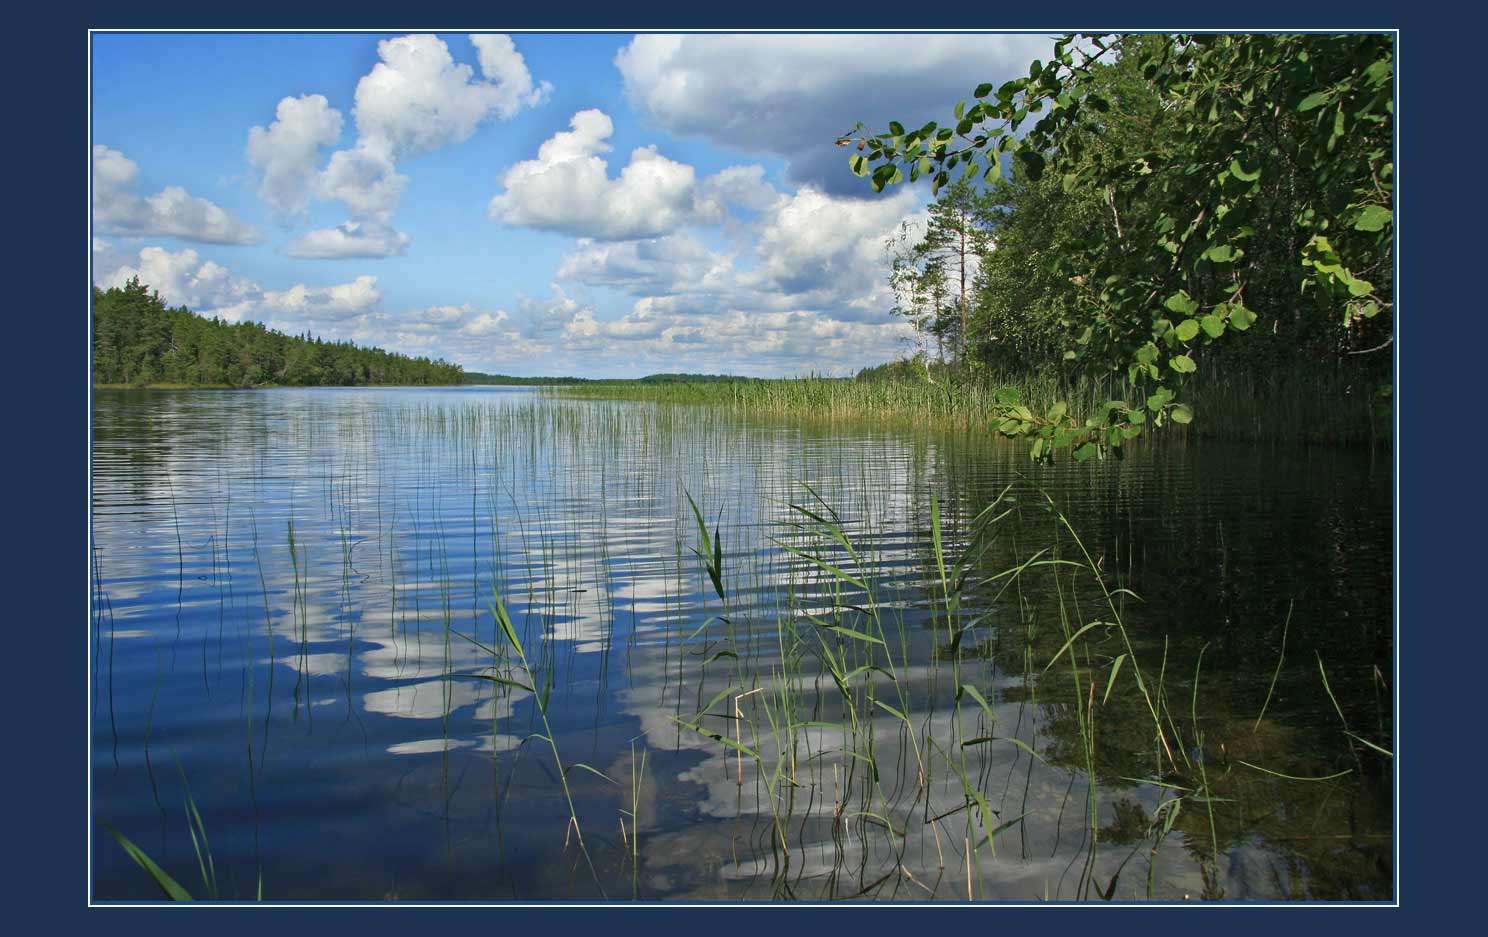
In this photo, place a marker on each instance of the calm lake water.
(294, 592)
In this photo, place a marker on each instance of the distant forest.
(138, 341)
(478, 377)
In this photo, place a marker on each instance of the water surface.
(287, 584)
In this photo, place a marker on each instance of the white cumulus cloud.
(417, 98)
(352, 239)
(656, 265)
(365, 180)
(286, 152)
(501, 63)
(184, 278)
(310, 303)
(542, 317)
(828, 252)
(171, 212)
(568, 188)
(808, 251)
(744, 186)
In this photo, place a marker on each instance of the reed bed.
(1324, 406)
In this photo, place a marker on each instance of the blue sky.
(590, 204)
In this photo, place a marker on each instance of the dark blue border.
(1439, 193)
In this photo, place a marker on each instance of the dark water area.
(294, 596)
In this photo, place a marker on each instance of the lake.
(917, 666)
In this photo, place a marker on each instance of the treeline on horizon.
(480, 377)
(138, 341)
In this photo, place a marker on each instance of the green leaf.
(1181, 303)
(1181, 413)
(856, 635)
(886, 174)
(983, 89)
(891, 711)
(1373, 218)
(1213, 325)
(717, 737)
(1241, 318)
(1071, 642)
(1241, 174)
(821, 563)
(715, 562)
(1187, 329)
(170, 886)
(1383, 751)
(495, 679)
(1293, 777)
(1033, 163)
(972, 692)
(1315, 100)
(1115, 669)
(595, 771)
(726, 691)
(498, 611)
(1085, 451)
(858, 164)
(1001, 738)
(1183, 364)
(994, 169)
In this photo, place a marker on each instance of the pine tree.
(956, 236)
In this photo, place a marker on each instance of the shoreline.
(174, 386)
(1320, 411)
(1231, 416)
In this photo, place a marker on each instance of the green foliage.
(138, 340)
(172, 888)
(1021, 300)
(1168, 193)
